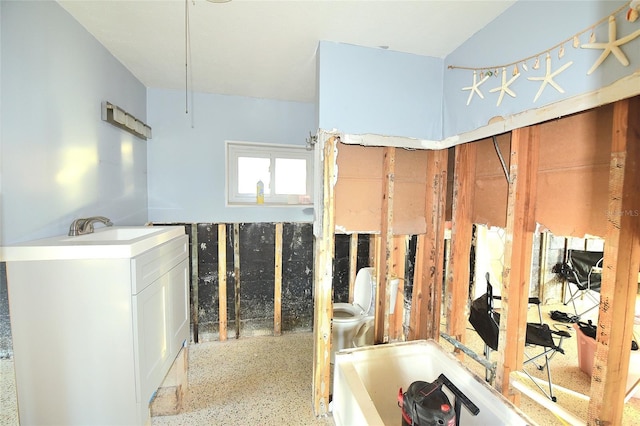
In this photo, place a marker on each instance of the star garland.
(504, 87)
(548, 77)
(611, 46)
(474, 88)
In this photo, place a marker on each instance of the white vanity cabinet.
(94, 338)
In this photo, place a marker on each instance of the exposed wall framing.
(555, 168)
(429, 276)
(384, 262)
(521, 204)
(456, 299)
(323, 275)
(620, 268)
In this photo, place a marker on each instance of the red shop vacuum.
(425, 403)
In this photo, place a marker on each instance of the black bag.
(563, 317)
(425, 404)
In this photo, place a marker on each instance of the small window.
(286, 173)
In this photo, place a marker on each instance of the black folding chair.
(582, 274)
(539, 337)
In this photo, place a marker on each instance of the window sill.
(237, 204)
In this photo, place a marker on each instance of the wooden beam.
(236, 271)
(620, 269)
(353, 263)
(431, 251)
(386, 244)
(195, 279)
(521, 202)
(222, 280)
(323, 281)
(277, 291)
(456, 301)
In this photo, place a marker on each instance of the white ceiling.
(267, 49)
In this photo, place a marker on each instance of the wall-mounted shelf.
(125, 121)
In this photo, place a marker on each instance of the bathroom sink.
(104, 243)
(115, 234)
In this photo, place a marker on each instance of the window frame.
(236, 149)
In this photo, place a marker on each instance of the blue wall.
(59, 160)
(365, 90)
(187, 153)
(526, 28)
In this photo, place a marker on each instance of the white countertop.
(111, 242)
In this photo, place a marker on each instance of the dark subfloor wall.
(341, 270)
(256, 278)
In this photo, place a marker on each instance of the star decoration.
(548, 77)
(504, 87)
(474, 88)
(612, 46)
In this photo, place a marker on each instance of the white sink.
(115, 234)
(104, 243)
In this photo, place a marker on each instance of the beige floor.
(267, 381)
(254, 381)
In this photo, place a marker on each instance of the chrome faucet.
(85, 225)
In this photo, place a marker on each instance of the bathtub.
(366, 382)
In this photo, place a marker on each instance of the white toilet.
(352, 323)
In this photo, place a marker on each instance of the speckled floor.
(253, 381)
(8, 404)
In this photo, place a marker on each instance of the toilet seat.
(363, 295)
(347, 312)
(348, 318)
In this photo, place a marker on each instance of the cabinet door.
(178, 301)
(151, 337)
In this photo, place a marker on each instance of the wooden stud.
(353, 263)
(277, 292)
(194, 281)
(620, 269)
(222, 280)
(431, 245)
(521, 225)
(236, 271)
(456, 300)
(386, 243)
(323, 282)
